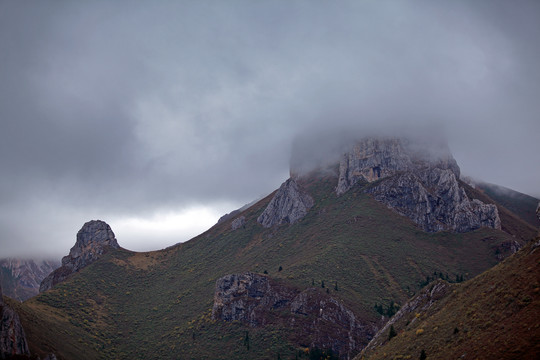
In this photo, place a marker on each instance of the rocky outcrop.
(432, 198)
(12, 338)
(93, 240)
(418, 180)
(418, 305)
(25, 276)
(289, 204)
(315, 318)
(238, 222)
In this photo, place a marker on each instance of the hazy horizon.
(160, 117)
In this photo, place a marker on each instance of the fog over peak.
(136, 112)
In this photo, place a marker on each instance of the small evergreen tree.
(423, 355)
(392, 332)
(280, 268)
(335, 287)
(322, 283)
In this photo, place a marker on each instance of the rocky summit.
(417, 180)
(93, 239)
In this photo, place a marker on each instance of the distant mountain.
(20, 278)
(318, 266)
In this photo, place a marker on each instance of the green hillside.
(158, 305)
(493, 316)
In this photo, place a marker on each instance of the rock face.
(238, 222)
(22, 277)
(12, 337)
(94, 238)
(315, 318)
(420, 304)
(289, 204)
(375, 158)
(417, 181)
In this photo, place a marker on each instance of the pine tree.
(392, 332)
(423, 355)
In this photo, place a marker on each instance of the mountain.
(494, 315)
(20, 278)
(315, 267)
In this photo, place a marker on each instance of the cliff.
(93, 240)
(417, 180)
(12, 338)
(315, 318)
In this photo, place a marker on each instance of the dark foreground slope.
(159, 304)
(493, 316)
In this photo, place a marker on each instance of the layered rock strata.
(12, 337)
(289, 204)
(315, 318)
(93, 240)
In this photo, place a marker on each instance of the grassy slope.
(493, 316)
(158, 304)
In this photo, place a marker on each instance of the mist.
(128, 110)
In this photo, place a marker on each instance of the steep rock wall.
(418, 180)
(12, 337)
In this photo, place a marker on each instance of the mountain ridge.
(159, 304)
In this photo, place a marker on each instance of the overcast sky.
(159, 116)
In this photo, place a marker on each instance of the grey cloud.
(127, 108)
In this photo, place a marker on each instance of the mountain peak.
(93, 239)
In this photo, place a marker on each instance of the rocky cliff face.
(12, 338)
(289, 204)
(372, 159)
(21, 278)
(315, 318)
(93, 239)
(417, 181)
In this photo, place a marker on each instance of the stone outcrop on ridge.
(289, 204)
(93, 239)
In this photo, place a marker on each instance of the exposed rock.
(25, 276)
(289, 204)
(315, 318)
(93, 240)
(372, 159)
(12, 337)
(420, 304)
(433, 199)
(238, 222)
(229, 216)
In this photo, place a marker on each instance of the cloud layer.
(124, 110)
